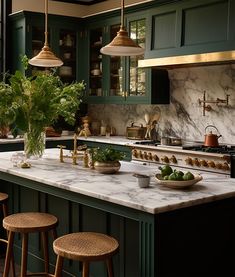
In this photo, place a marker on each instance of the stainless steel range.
(189, 156)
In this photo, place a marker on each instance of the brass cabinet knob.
(135, 153)
(189, 161)
(173, 159)
(219, 165)
(211, 164)
(203, 163)
(225, 166)
(165, 159)
(196, 162)
(155, 158)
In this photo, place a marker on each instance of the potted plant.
(36, 102)
(106, 160)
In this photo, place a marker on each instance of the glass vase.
(34, 144)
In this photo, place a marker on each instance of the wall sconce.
(207, 107)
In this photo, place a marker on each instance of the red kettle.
(211, 139)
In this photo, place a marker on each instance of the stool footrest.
(40, 274)
(4, 240)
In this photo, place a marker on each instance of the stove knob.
(219, 166)
(155, 158)
(135, 153)
(150, 157)
(145, 156)
(196, 162)
(225, 166)
(211, 164)
(141, 154)
(165, 159)
(189, 161)
(173, 159)
(203, 163)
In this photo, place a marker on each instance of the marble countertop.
(120, 140)
(120, 188)
(19, 139)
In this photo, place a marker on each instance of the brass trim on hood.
(190, 60)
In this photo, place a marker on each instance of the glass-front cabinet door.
(127, 81)
(137, 76)
(67, 52)
(95, 67)
(116, 68)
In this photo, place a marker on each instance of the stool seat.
(85, 246)
(3, 197)
(29, 222)
(26, 223)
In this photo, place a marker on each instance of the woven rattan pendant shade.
(46, 58)
(122, 44)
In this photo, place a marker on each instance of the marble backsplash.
(183, 117)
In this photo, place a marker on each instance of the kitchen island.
(161, 231)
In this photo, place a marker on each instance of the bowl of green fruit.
(176, 179)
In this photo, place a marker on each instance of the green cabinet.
(115, 79)
(28, 38)
(190, 27)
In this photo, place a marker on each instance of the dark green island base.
(197, 241)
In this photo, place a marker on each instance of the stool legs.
(45, 250)
(9, 254)
(59, 266)
(110, 267)
(5, 210)
(85, 269)
(24, 255)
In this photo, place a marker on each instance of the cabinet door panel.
(164, 31)
(204, 24)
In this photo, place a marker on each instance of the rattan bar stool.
(85, 247)
(26, 223)
(4, 206)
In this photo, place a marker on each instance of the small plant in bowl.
(106, 160)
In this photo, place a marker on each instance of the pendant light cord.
(122, 14)
(46, 23)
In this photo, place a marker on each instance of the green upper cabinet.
(115, 79)
(190, 27)
(28, 38)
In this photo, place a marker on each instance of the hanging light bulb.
(122, 44)
(46, 58)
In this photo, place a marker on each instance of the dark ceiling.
(81, 2)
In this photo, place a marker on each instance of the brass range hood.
(213, 58)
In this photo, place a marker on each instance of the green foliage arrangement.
(107, 154)
(34, 102)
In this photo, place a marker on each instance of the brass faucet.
(78, 151)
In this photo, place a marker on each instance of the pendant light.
(122, 44)
(46, 58)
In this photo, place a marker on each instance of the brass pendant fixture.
(122, 44)
(46, 58)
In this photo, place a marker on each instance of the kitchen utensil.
(147, 118)
(143, 180)
(175, 141)
(211, 139)
(135, 132)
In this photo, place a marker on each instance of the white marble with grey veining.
(120, 188)
(183, 116)
(20, 139)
